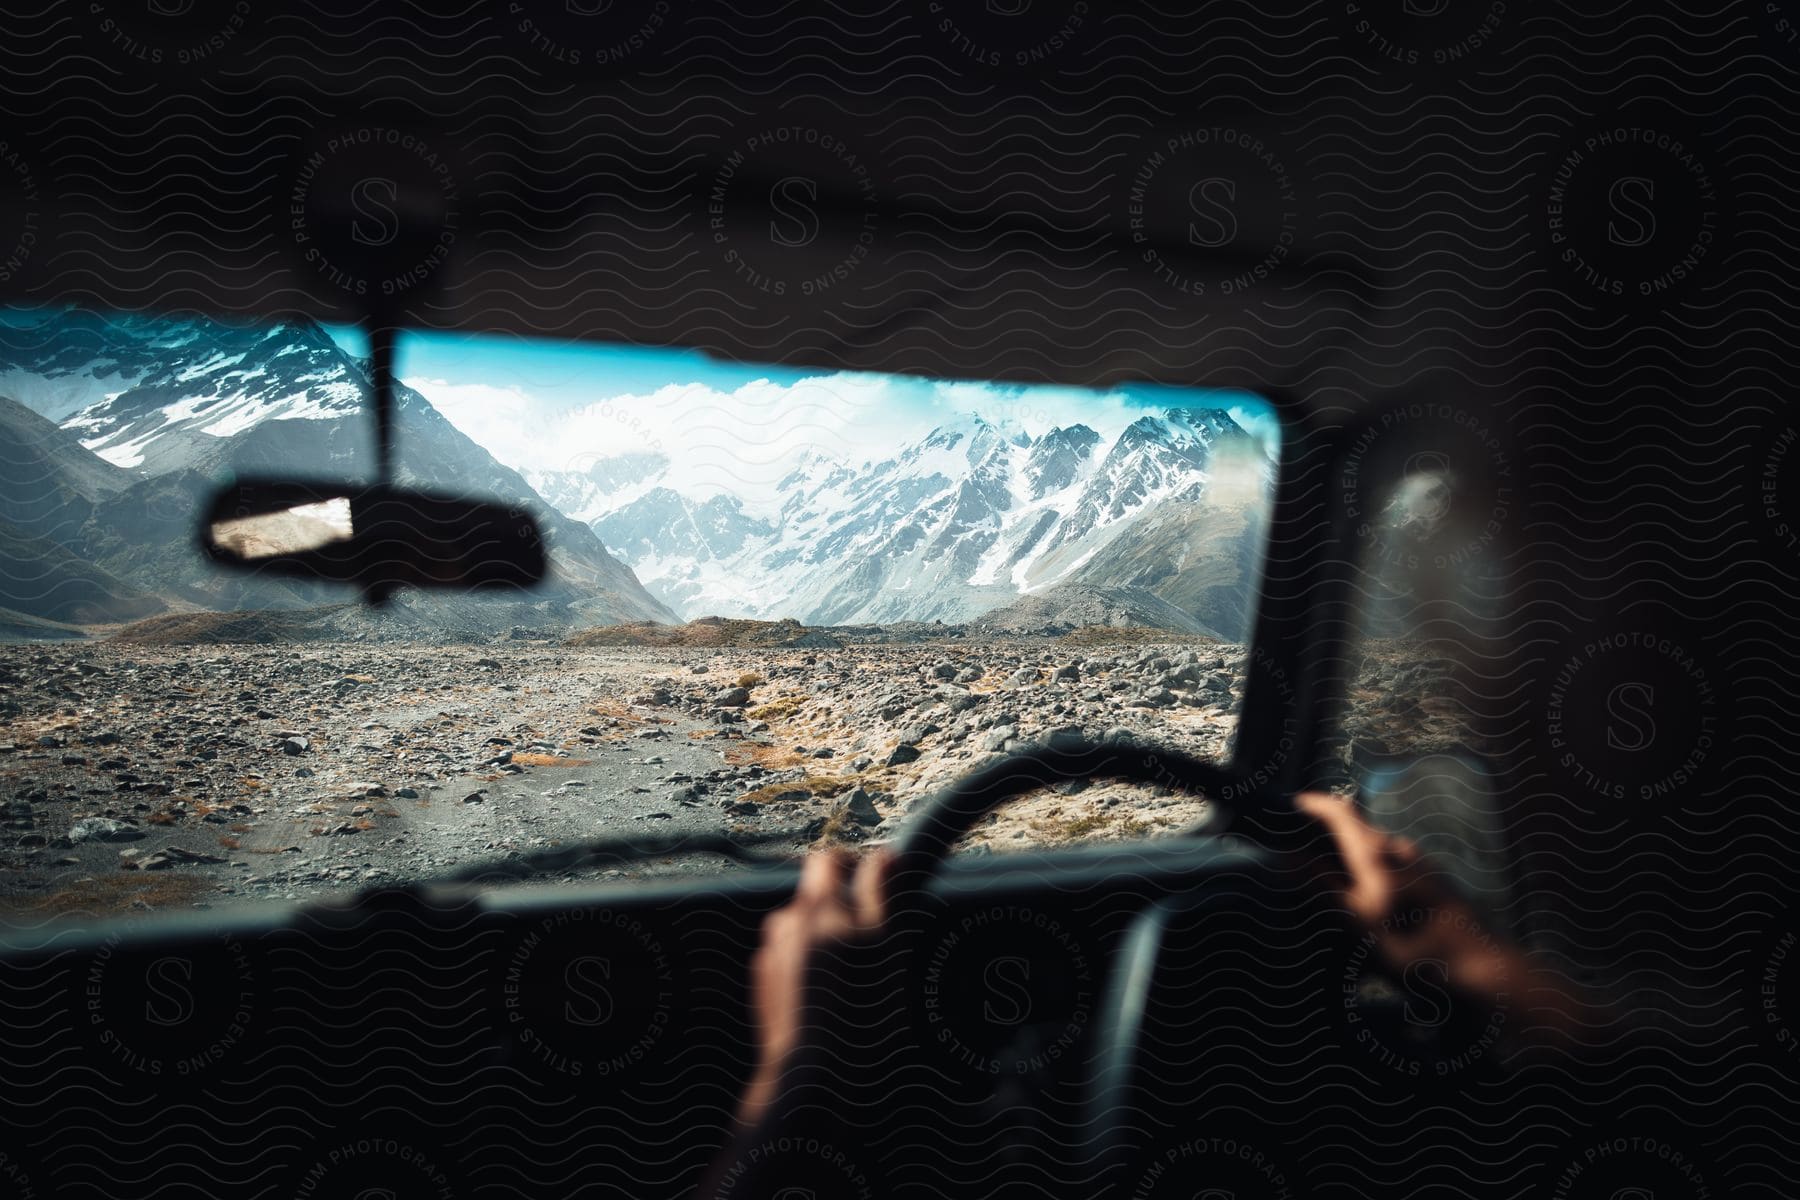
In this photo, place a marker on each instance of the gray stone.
(996, 739)
(859, 806)
(103, 829)
(902, 755)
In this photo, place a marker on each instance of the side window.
(1425, 712)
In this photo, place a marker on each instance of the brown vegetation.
(1129, 635)
(813, 785)
(549, 760)
(776, 710)
(707, 631)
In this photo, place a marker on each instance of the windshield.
(784, 602)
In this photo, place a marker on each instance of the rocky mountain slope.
(1066, 607)
(50, 491)
(154, 413)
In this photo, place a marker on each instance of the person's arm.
(1395, 895)
(793, 973)
(794, 976)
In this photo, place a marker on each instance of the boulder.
(103, 829)
(859, 807)
(902, 755)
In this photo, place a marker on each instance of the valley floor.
(136, 776)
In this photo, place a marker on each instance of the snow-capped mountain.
(968, 518)
(158, 390)
(602, 487)
(175, 404)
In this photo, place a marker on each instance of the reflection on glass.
(286, 531)
(1423, 501)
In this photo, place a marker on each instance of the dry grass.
(749, 679)
(550, 760)
(229, 842)
(1088, 826)
(775, 758)
(777, 710)
(113, 892)
(816, 786)
(838, 828)
(1130, 635)
(707, 631)
(211, 628)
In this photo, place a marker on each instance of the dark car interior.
(1519, 273)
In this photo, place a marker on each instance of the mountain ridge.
(965, 519)
(188, 403)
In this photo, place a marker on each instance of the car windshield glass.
(784, 601)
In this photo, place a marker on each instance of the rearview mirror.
(378, 538)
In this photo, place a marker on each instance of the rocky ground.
(159, 776)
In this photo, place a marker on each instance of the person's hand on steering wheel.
(1384, 878)
(838, 903)
(1403, 904)
(1384, 882)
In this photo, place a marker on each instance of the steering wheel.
(948, 815)
(1247, 883)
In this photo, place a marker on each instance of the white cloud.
(504, 421)
(743, 441)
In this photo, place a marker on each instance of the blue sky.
(539, 405)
